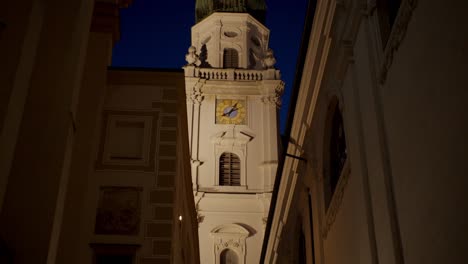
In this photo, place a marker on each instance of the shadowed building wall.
(89, 157)
(397, 80)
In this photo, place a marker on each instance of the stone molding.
(233, 142)
(196, 96)
(148, 155)
(337, 199)
(274, 99)
(397, 35)
(230, 236)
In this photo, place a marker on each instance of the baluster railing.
(230, 74)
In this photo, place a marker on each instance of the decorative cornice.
(337, 199)
(228, 138)
(397, 35)
(106, 17)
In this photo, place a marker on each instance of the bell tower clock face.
(231, 112)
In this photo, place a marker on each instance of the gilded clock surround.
(231, 111)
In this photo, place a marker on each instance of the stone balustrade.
(232, 74)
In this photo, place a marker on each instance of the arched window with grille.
(230, 58)
(336, 151)
(228, 256)
(229, 169)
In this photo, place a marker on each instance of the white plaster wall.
(260, 163)
(219, 209)
(255, 150)
(255, 142)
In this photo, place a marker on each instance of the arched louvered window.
(231, 58)
(228, 256)
(229, 169)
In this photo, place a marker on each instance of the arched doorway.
(228, 256)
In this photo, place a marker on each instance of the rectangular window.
(229, 170)
(231, 58)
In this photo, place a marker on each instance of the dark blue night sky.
(156, 34)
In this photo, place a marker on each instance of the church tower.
(232, 91)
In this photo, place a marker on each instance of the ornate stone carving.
(269, 61)
(230, 236)
(192, 57)
(336, 200)
(274, 99)
(397, 35)
(196, 96)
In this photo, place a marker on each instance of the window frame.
(330, 186)
(229, 172)
(234, 58)
(224, 251)
(230, 236)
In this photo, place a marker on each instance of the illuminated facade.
(233, 94)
